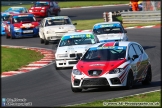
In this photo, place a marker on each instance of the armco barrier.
(141, 16)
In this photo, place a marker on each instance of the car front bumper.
(111, 80)
(66, 63)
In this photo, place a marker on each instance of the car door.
(141, 63)
(133, 63)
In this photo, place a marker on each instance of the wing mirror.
(134, 57)
(125, 31)
(75, 24)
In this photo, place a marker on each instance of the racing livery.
(53, 28)
(112, 64)
(17, 9)
(72, 46)
(22, 25)
(45, 8)
(4, 19)
(110, 31)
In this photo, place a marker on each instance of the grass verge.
(88, 24)
(14, 58)
(76, 4)
(153, 98)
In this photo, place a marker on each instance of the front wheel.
(130, 80)
(41, 41)
(75, 89)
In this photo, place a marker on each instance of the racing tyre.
(56, 67)
(7, 37)
(148, 78)
(46, 42)
(129, 83)
(42, 41)
(58, 13)
(75, 89)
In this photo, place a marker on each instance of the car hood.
(110, 36)
(105, 66)
(60, 28)
(26, 24)
(73, 49)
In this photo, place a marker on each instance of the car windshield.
(105, 54)
(53, 22)
(14, 9)
(40, 4)
(108, 30)
(65, 41)
(17, 19)
(5, 18)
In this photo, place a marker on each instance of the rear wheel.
(58, 13)
(148, 77)
(75, 89)
(130, 80)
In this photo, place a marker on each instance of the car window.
(77, 40)
(42, 3)
(131, 51)
(137, 49)
(52, 22)
(105, 54)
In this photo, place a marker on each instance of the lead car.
(112, 64)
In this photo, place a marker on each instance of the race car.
(53, 28)
(4, 19)
(71, 46)
(112, 64)
(110, 31)
(17, 9)
(45, 8)
(22, 25)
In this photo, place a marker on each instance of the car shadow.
(148, 47)
(136, 86)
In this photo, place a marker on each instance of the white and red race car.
(111, 64)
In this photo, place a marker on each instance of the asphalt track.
(48, 87)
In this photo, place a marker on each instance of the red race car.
(45, 8)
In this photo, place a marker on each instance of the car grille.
(73, 62)
(95, 82)
(27, 28)
(74, 55)
(94, 72)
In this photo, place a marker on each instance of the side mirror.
(125, 31)
(134, 57)
(75, 24)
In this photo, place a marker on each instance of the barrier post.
(110, 17)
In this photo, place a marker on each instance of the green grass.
(88, 24)
(76, 4)
(14, 58)
(149, 97)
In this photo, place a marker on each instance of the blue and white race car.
(17, 9)
(4, 19)
(110, 31)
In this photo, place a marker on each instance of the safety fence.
(150, 5)
(141, 16)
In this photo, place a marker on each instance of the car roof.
(22, 14)
(114, 43)
(77, 33)
(56, 17)
(114, 22)
(17, 7)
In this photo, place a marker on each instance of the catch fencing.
(150, 5)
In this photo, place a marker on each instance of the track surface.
(48, 87)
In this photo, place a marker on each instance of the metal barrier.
(141, 16)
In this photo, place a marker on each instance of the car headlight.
(16, 28)
(117, 70)
(76, 72)
(62, 55)
(30, 10)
